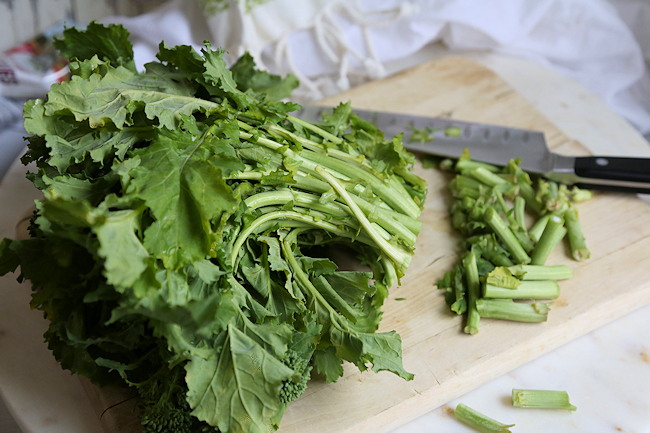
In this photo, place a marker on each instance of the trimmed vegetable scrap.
(479, 421)
(179, 245)
(541, 399)
(509, 226)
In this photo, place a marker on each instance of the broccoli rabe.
(509, 226)
(163, 406)
(295, 386)
(185, 208)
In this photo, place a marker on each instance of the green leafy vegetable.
(181, 243)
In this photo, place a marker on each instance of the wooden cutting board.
(446, 362)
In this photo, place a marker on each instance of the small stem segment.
(539, 272)
(546, 289)
(577, 242)
(507, 309)
(552, 235)
(504, 233)
(473, 288)
(480, 422)
(541, 399)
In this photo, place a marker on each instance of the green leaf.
(270, 86)
(237, 390)
(114, 97)
(189, 198)
(337, 121)
(9, 261)
(125, 256)
(109, 43)
(70, 142)
(219, 76)
(328, 364)
(383, 350)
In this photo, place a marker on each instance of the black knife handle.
(614, 173)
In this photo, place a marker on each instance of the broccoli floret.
(169, 416)
(295, 386)
(164, 408)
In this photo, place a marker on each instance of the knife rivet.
(602, 162)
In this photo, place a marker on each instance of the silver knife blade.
(448, 138)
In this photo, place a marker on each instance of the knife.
(498, 144)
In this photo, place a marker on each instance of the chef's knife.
(497, 145)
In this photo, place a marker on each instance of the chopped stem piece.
(577, 243)
(478, 421)
(465, 164)
(507, 309)
(504, 233)
(537, 229)
(520, 211)
(473, 288)
(486, 176)
(548, 289)
(541, 399)
(552, 235)
(541, 272)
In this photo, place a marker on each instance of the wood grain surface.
(446, 362)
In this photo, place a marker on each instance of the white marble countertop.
(606, 373)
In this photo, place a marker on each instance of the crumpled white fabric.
(332, 45)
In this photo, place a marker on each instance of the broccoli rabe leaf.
(237, 389)
(109, 43)
(264, 84)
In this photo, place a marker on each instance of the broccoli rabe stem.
(492, 208)
(507, 309)
(303, 218)
(541, 272)
(535, 232)
(577, 242)
(551, 236)
(303, 199)
(286, 245)
(400, 257)
(546, 289)
(391, 192)
(314, 128)
(486, 176)
(473, 292)
(541, 399)
(510, 241)
(479, 421)
(466, 164)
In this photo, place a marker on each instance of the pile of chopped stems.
(509, 227)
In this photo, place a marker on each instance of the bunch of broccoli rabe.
(509, 225)
(180, 247)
